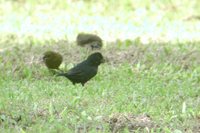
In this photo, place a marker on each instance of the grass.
(152, 67)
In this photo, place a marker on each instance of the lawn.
(150, 81)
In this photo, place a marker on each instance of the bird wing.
(76, 71)
(81, 73)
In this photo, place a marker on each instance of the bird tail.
(61, 74)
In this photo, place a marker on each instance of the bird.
(52, 59)
(85, 70)
(91, 40)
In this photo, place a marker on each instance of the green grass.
(152, 67)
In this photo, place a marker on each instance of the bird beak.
(44, 58)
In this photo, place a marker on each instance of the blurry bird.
(52, 59)
(85, 39)
(85, 70)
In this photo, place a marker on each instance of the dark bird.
(52, 59)
(85, 70)
(85, 39)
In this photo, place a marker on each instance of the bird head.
(96, 45)
(95, 59)
(48, 55)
